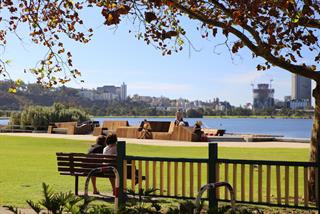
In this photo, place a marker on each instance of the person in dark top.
(97, 149)
(197, 130)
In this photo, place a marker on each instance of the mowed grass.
(27, 162)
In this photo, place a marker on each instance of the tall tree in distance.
(285, 33)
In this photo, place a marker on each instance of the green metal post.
(212, 162)
(121, 153)
(317, 185)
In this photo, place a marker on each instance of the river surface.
(291, 128)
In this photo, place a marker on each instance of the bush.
(59, 203)
(192, 113)
(142, 203)
(39, 117)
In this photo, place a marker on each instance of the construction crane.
(271, 80)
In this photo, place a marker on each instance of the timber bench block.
(60, 130)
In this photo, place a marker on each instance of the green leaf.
(34, 206)
(296, 18)
(12, 90)
(18, 82)
(180, 41)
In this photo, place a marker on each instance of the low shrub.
(141, 203)
(39, 117)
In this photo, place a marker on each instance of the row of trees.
(239, 111)
(39, 117)
(5, 113)
(130, 108)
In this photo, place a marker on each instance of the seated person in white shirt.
(111, 149)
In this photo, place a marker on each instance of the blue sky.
(115, 56)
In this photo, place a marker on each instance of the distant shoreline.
(218, 117)
(260, 117)
(213, 117)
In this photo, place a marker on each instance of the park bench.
(109, 126)
(80, 164)
(70, 128)
(160, 130)
(214, 132)
(16, 128)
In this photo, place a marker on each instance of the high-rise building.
(107, 92)
(107, 89)
(301, 88)
(263, 96)
(123, 92)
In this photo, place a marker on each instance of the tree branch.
(310, 23)
(258, 50)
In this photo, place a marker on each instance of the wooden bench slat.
(70, 168)
(59, 154)
(85, 159)
(66, 169)
(88, 165)
(84, 174)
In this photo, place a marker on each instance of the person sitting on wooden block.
(198, 131)
(179, 118)
(145, 132)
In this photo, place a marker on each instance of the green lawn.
(27, 162)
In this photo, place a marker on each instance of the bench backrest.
(158, 126)
(79, 164)
(65, 124)
(183, 133)
(114, 124)
(214, 132)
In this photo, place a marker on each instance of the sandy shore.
(271, 144)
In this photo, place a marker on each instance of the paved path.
(271, 144)
(4, 210)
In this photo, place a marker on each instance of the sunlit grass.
(27, 162)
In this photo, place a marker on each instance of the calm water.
(295, 128)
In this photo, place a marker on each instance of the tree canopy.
(282, 32)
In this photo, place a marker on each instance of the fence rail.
(273, 183)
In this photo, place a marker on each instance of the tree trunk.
(315, 143)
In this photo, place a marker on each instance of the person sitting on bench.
(97, 149)
(111, 149)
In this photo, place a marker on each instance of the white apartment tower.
(301, 88)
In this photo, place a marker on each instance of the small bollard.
(214, 186)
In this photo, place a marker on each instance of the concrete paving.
(4, 210)
(266, 144)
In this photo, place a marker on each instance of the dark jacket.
(96, 149)
(197, 129)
